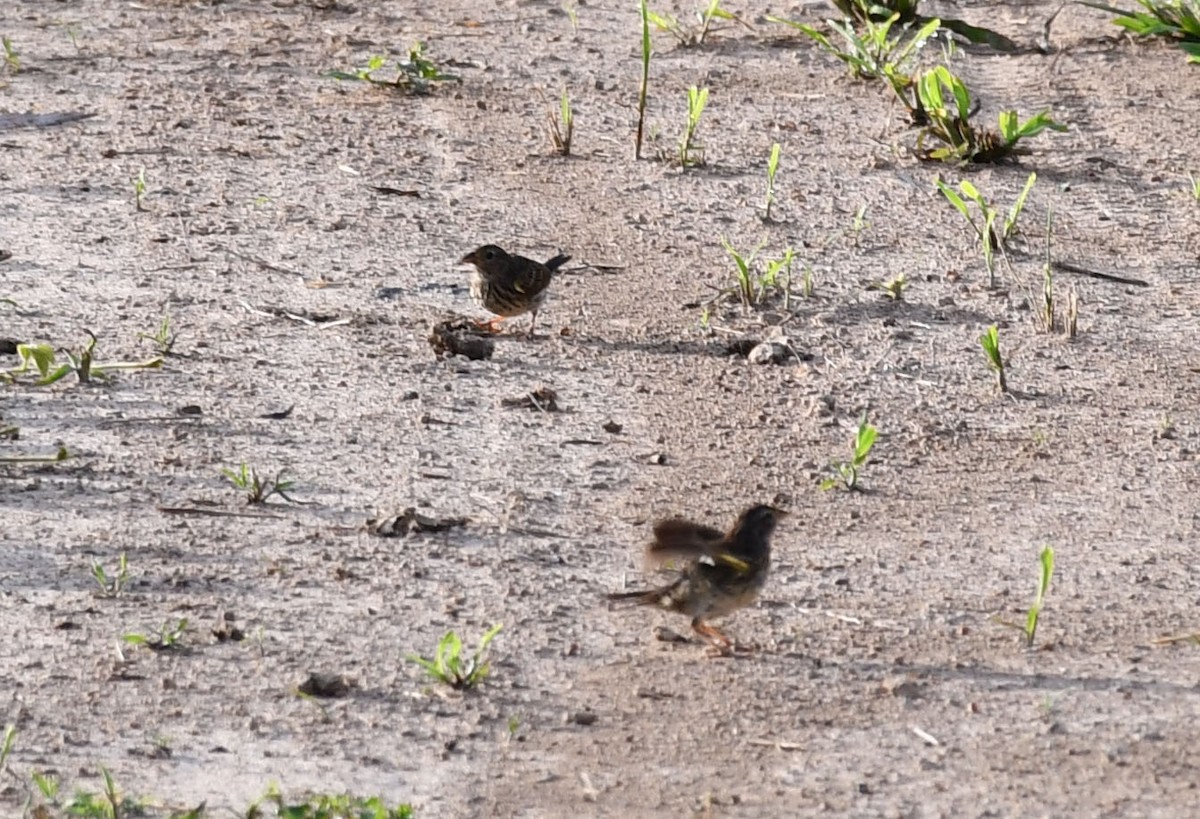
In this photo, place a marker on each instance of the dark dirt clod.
(326, 684)
(459, 336)
(409, 522)
(543, 399)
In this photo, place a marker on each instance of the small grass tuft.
(258, 490)
(1177, 20)
(871, 52)
(691, 153)
(42, 357)
(1045, 573)
(111, 586)
(416, 74)
(990, 341)
(12, 60)
(692, 36)
(947, 107)
(449, 667)
(991, 240)
(10, 740)
(169, 637)
(772, 169)
(893, 288)
(163, 338)
(645, 85)
(753, 287)
(846, 473)
(139, 190)
(562, 125)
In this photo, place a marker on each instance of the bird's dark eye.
(491, 254)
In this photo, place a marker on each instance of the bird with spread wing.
(721, 573)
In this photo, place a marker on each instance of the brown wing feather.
(682, 539)
(530, 277)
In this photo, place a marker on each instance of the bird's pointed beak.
(468, 259)
(780, 513)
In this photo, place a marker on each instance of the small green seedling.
(687, 36)
(985, 228)
(752, 287)
(42, 358)
(163, 338)
(873, 53)
(991, 240)
(1011, 228)
(139, 190)
(1166, 429)
(11, 59)
(894, 287)
(169, 637)
(1046, 561)
(114, 585)
(646, 52)
(10, 740)
(859, 224)
(417, 74)
(807, 283)
(778, 276)
(672, 26)
(772, 168)
(690, 152)
(846, 473)
(1177, 20)
(47, 785)
(1195, 180)
(990, 341)
(562, 127)
(107, 805)
(743, 271)
(449, 667)
(572, 12)
(947, 106)
(258, 490)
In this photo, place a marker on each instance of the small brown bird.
(509, 285)
(724, 572)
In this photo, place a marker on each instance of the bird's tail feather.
(644, 597)
(558, 261)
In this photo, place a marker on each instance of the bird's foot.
(491, 325)
(715, 638)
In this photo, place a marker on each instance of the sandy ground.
(883, 684)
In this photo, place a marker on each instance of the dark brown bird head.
(488, 258)
(752, 532)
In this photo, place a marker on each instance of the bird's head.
(488, 258)
(755, 526)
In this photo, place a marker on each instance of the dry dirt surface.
(881, 682)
